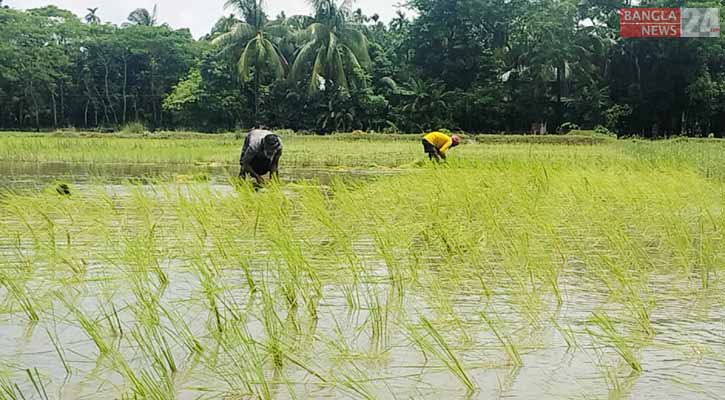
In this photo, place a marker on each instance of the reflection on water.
(28, 175)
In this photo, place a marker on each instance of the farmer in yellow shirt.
(436, 144)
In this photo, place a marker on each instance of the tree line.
(471, 65)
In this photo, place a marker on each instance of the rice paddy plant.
(146, 307)
(430, 341)
(182, 333)
(53, 336)
(113, 319)
(296, 275)
(151, 340)
(273, 328)
(244, 364)
(611, 336)
(547, 233)
(355, 383)
(378, 320)
(618, 388)
(37, 381)
(10, 390)
(567, 333)
(210, 288)
(384, 243)
(22, 297)
(90, 326)
(340, 239)
(505, 340)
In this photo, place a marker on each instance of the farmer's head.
(272, 144)
(456, 140)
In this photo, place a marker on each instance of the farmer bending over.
(436, 144)
(260, 155)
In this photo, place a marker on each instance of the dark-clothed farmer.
(260, 155)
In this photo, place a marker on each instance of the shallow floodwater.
(21, 175)
(685, 357)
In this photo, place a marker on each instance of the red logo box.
(650, 22)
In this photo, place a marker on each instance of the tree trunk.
(105, 108)
(153, 97)
(108, 93)
(125, 84)
(55, 111)
(36, 105)
(256, 96)
(63, 119)
(20, 114)
(559, 82)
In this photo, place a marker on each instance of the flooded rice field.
(520, 283)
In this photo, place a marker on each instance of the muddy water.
(684, 360)
(22, 175)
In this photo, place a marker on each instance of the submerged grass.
(196, 289)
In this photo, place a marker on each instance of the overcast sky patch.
(199, 16)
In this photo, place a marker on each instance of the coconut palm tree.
(335, 52)
(142, 16)
(91, 17)
(253, 39)
(400, 21)
(425, 98)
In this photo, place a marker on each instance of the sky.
(199, 16)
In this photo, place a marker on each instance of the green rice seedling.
(273, 328)
(395, 272)
(442, 351)
(506, 342)
(152, 384)
(20, 294)
(146, 306)
(113, 320)
(10, 391)
(354, 384)
(618, 388)
(567, 333)
(615, 339)
(153, 343)
(182, 332)
(244, 362)
(37, 382)
(378, 319)
(53, 336)
(296, 275)
(91, 327)
(208, 280)
(706, 251)
(530, 229)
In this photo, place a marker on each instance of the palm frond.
(318, 70)
(273, 59)
(358, 44)
(239, 35)
(249, 58)
(304, 56)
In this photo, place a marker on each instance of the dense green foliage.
(471, 65)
